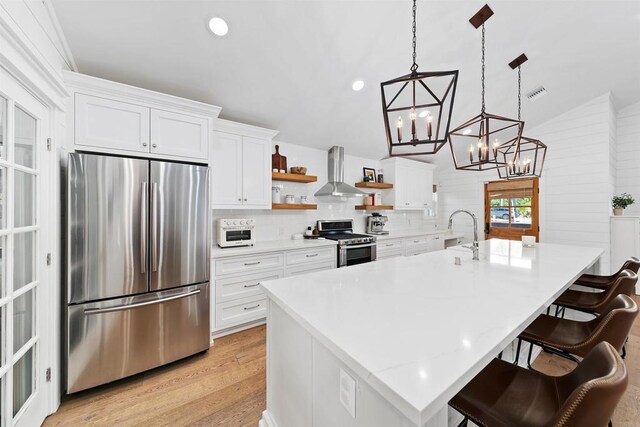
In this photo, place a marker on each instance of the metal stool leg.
(517, 359)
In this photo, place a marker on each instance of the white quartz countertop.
(418, 328)
(271, 246)
(403, 234)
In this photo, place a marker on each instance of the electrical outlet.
(348, 392)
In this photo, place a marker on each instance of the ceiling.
(289, 64)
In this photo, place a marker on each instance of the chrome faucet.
(475, 247)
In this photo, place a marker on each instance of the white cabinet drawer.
(390, 253)
(417, 250)
(310, 268)
(240, 311)
(385, 246)
(246, 285)
(436, 242)
(249, 264)
(307, 256)
(416, 241)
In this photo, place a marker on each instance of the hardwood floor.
(227, 387)
(224, 387)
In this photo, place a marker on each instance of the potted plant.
(620, 202)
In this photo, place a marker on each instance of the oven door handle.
(366, 245)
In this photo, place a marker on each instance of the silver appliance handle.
(90, 311)
(143, 228)
(154, 226)
(366, 245)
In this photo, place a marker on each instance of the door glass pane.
(25, 141)
(3, 197)
(22, 320)
(521, 217)
(3, 129)
(23, 211)
(23, 257)
(22, 380)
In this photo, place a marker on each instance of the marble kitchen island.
(389, 343)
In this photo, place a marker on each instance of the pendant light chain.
(414, 67)
(482, 81)
(519, 91)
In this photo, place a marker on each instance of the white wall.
(281, 224)
(577, 183)
(628, 160)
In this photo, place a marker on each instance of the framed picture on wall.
(369, 174)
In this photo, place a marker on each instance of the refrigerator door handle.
(143, 228)
(90, 311)
(154, 226)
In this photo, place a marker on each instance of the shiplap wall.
(628, 161)
(576, 187)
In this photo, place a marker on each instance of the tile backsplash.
(279, 225)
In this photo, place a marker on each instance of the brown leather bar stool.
(595, 302)
(570, 338)
(507, 395)
(602, 282)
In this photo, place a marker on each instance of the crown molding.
(83, 83)
(228, 126)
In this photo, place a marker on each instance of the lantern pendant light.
(527, 158)
(475, 144)
(417, 108)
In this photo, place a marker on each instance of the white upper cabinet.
(113, 118)
(412, 183)
(178, 134)
(240, 160)
(256, 166)
(101, 122)
(226, 170)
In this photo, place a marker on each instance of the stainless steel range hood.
(336, 187)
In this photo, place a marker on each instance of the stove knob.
(243, 222)
(235, 222)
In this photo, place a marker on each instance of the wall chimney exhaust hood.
(336, 187)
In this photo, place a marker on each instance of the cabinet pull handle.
(311, 255)
(239, 200)
(144, 144)
(416, 241)
(154, 145)
(245, 200)
(389, 244)
(252, 307)
(437, 238)
(252, 286)
(252, 263)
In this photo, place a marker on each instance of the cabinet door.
(403, 186)
(256, 172)
(226, 170)
(425, 188)
(105, 123)
(179, 134)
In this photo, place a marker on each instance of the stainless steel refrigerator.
(137, 266)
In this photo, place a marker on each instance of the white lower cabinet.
(413, 245)
(238, 300)
(240, 311)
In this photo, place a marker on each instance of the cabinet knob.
(245, 200)
(154, 145)
(239, 200)
(144, 144)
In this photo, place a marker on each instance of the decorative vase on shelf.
(618, 211)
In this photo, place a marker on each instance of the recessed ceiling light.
(423, 114)
(218, 26)
(466, 132)
(357, 85)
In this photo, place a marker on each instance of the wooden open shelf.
(297, 206)
(374, 207)
(379, 185)
(292, 177)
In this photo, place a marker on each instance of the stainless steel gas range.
(352, 248)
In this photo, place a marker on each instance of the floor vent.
(537, 93)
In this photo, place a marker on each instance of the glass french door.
(23, 353)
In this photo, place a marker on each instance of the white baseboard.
(267, 420)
